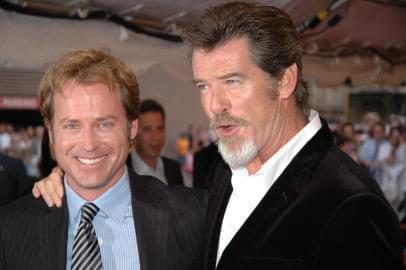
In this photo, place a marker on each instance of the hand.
(50, 188)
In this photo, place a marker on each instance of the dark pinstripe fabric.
(168, 221)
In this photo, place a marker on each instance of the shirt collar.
(139, 165)
(276, 164)
(141, 168)
(114, 203)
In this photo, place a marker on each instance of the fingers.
(50, 188)
(51, 192)
(35, 191)
(42, 190)
(56, 178)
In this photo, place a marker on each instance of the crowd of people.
(380, 147)
(23, 142)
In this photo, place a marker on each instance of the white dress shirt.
(142, 168)
(248, 190)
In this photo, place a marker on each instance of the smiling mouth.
(91, 161)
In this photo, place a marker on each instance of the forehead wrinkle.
(68, 89)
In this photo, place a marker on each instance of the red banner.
(19, 103)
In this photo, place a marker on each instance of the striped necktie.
(86, 251)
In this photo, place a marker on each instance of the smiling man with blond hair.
(111, 218)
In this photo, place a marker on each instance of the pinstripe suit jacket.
(168, 222)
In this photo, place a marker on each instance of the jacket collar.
(151, 218)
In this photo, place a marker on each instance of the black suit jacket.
(168, 222)
(173, 173)
(322, 213)
(14, 182)
(204, 162)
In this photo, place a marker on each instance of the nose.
(91, 140)
(219, 101)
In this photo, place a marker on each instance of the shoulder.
(170, 161)
(148, 188)
(338, 182)
(11, 162)
(338, 170)
(22, 210)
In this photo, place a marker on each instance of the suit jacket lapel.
(53, 237)
(151, 220)
(285, 191)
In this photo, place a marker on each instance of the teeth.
(91, 161)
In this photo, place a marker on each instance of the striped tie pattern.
(86, 251)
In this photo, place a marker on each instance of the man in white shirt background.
(146, 158)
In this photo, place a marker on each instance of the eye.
(106, 124)
(201, 86)
(232, 82)
(71, 126)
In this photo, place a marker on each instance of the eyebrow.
(222, 77)
(107, 117)
(232, 74)
(103, 118)
(65, 119)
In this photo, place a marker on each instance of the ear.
(50, 132)
(288, 82)
(134, 128)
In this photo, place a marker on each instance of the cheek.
(142, 139)
(205, 102)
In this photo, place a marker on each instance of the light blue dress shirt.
(114, 226)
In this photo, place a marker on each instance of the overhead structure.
(361, 39)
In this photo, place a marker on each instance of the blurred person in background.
(146, 158)
(14, 181)
(5, 138)
(347, 130)
(368, 120)
(393, 180)
(182, 148)
(375, 150)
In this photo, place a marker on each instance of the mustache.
(226, 119)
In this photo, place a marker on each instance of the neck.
(151, 162)
(91, 192)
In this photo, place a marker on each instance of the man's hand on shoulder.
(50, 188)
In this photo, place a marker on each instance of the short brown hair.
(87, 67)
(274, 42)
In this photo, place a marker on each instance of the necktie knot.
(88, 212)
